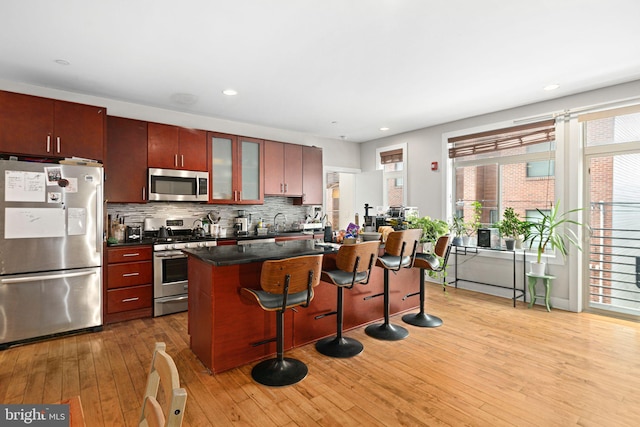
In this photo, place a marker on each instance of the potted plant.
(474, 224)
(431, 229)
(551, 230)
(459, 228)
(509, 227)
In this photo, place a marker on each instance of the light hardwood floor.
(489, 365)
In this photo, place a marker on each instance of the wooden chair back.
(303, 272)
(152, 415)
(357, 258)
(163, 370)
(403, 243)
(442, 245)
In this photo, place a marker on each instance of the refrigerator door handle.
(9, 281)
(100, 220)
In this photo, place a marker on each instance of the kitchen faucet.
(275, 224)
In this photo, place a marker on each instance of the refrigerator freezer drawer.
(41, 304)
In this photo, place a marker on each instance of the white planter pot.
(537, 268)
(466, 240)
(519, 242)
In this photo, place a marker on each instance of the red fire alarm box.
(434, 166)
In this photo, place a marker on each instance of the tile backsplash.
(134, 214)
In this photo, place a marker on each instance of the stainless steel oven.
(170, 282)
(170, 277)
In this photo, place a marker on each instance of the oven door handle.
(169, 299)
(171, 254)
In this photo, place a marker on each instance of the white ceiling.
(331, 68)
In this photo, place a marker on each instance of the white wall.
(428, 190)
(336, 153)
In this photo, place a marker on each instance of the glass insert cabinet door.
(222, 168)
(236, 169)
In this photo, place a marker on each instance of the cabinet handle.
(132, 254)
(281, 187)
(48, 143)
(286, 188)
(144, 194)
(130, 274)
(58, 144)
(181, 160)
(304, 197)
(175, 160)
(130, 299)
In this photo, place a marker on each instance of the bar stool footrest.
(339, 347)
(422, 320)
(279, 372)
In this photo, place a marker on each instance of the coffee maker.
(241, 223)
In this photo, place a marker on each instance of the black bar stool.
(428, 262)
(354, 264)
(399, 252)
(285, 283)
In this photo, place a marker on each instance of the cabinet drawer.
(129, 274)
(126, 299)
(129, 254)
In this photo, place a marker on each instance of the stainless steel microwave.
(178, 185)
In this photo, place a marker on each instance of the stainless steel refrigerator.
(51, 226)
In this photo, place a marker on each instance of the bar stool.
(354, 263)
(399, 252)
(429, 262)
(285, 283)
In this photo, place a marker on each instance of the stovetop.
(180, 233)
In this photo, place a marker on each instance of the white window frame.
(393, 175)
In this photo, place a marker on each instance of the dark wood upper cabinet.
(31, 125)
(283, 169)
(125, 168)
(312, 188)
(173, 147)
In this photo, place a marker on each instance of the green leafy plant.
(551, 230)
(458, 226)
(475, 224)
(510, 225)
(431, 228)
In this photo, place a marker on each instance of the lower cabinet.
(129, 284)
(228, 330)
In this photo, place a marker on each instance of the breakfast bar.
(228, 331)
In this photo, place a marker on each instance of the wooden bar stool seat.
(428, 262)
(354, 263)
(399, 252)
(285, 283)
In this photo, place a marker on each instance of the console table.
(474, 250)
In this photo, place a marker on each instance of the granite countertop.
(231, 255)
(150, 241)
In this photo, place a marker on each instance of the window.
(496, 167)
(541, 168)
(391, 161)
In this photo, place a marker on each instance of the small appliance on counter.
(241, 223)
(133, 233)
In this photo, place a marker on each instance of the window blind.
(502, 139)
(391, 156)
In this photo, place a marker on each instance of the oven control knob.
(201, 244)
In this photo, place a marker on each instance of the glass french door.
(614, 249)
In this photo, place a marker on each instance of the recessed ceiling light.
(384, 128)
(62, 62)
(553, 86)
(230, 92)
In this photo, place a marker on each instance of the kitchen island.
(224, 326)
